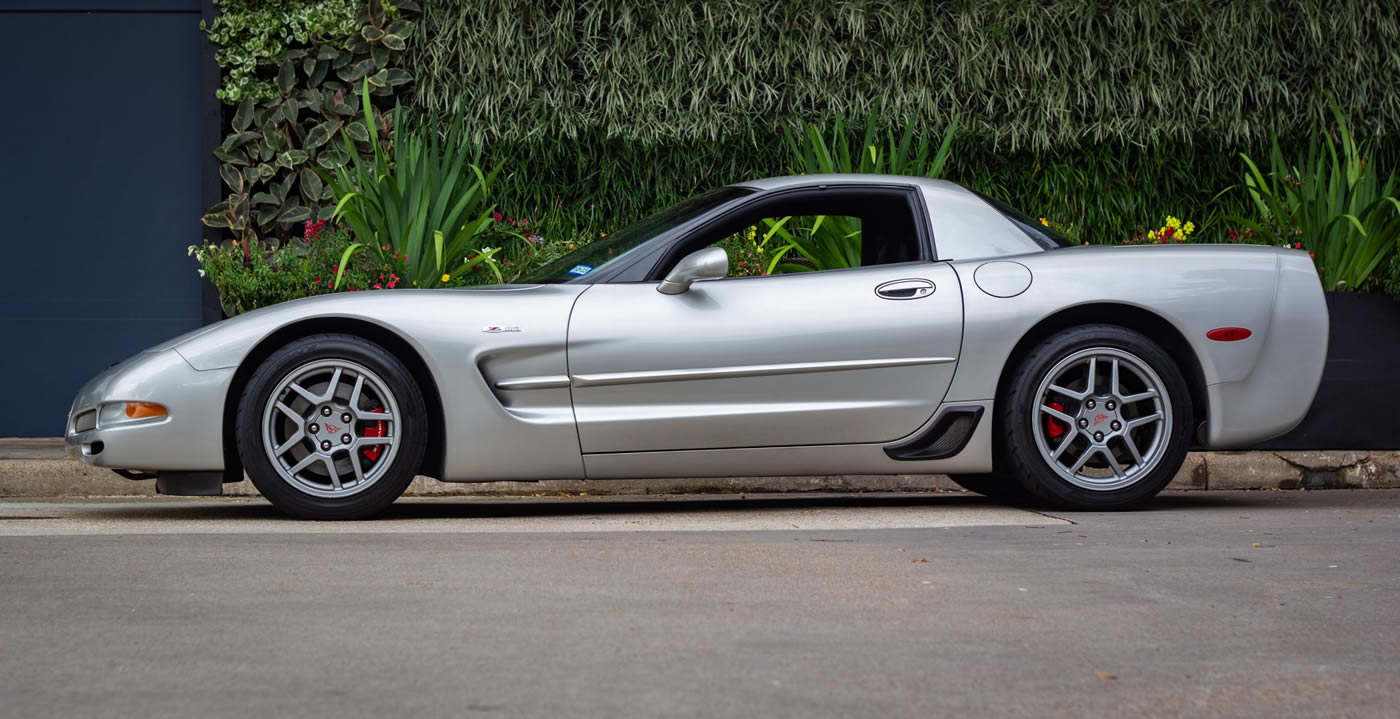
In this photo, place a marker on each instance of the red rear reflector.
(1229, 334)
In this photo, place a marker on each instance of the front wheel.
(331, 426)
(1097, 417)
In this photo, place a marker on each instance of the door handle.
(912, 289)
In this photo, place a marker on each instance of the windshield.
(594, 256)
(1044, 235)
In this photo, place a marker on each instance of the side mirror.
(710, 263)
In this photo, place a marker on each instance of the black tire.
(1017, 413)
(411, 429)
(996, 486)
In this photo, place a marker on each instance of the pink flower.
(378, 286)
(496, 216)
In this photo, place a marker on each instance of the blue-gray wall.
(100, 192)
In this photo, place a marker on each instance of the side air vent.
(944, 438)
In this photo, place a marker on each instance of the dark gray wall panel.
(99, 196)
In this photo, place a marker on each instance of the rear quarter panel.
(1195, 288)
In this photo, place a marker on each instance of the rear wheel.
(1096, 418)
(331, 427)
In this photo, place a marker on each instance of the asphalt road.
(1233, 604)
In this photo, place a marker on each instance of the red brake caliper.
(1052, 428)
(375, 430)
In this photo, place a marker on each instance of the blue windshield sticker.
(581, 270)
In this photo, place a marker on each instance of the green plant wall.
(1103, 116)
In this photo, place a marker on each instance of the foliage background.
(1102, 116)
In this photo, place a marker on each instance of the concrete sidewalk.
(38, 468)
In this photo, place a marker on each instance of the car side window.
(794, 243)
(815, 230)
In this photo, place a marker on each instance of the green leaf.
(357, 131)
(243, 116)
(286, 77)
(317, 136)
(266, 198)
(379, 79)
(217, 216)
(345, 260)
(235, 157)
(231, 177)
(310, 186)
(398, 76)
(292, 158)
(296, 213)
(371, 33)
(394, 42)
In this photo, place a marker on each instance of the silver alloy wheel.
(331, 428)
(1102, 418)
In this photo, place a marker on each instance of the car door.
(847, 356)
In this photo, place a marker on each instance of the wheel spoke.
(303, 464)
(305, 393)
(371, 441)
(355, 465)
(1057, 389)
(1140, 396)
(1079, 463)
(330, 470)
(1093, 372)
(1140, 421)
(333, 386)
(1057, 414)
(355, 394)
(1064, 445)
(1113, 388)
(1112, 462)
(1132, 447)
(292, 441)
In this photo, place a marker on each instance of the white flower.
(201, 273)
(190, 251)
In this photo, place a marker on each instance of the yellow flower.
(571, 245)
(446, 277)
(1151, 234)
(602, 234)
(1045, 222)
(1173, 222)
(1188, 228)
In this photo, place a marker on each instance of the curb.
(37, 469)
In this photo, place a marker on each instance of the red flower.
(496, 216)
(378, 286)
(391, 285)
(316, 279)
(1233, 235)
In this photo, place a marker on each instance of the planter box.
(1358, 404)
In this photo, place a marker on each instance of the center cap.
(1099, 420)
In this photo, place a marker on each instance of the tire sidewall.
(413, 427)
(1017, 416)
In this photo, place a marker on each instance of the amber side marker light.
(142, 410)
(1229, 334)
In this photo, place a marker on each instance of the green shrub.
(419, 205)
(293, 103)
(300, 268)
(1332, 201)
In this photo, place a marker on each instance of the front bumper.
(189, 438)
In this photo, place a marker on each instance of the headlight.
(127, 412)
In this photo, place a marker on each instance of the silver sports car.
(907, 326)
